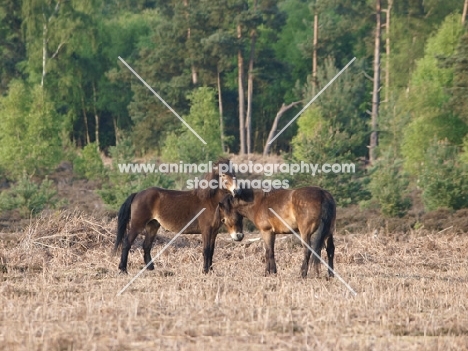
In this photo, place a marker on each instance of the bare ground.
(59, 285)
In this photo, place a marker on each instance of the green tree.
(444, 179)
(12, 46)
(388, 185)
(334, 132)
(89, 163)
(29, 131)
(459, 90)
(203, 118)
(413, 22)
(427, 101)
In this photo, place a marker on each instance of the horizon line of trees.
(238, 71)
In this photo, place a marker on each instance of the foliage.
(63, 90)
(427, 102)
(388, 185)
(12, 48)
(444, 179)
(459, 90)
(464, 153)
(29, 131)
(120, 185)
(333, 132)
(319, 143)
(89, 163)
(204, 119)
(29, 197)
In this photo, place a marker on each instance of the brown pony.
(307, 210)
(147, 210)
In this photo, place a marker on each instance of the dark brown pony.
(307, 210)
(147, 210)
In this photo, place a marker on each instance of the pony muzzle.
(237, 236)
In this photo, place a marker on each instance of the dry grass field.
(59, 281)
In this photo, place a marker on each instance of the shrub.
(387, 187)
(326, 145)
(89, 164)
(29, 197)
(444, 178)
(204, 118)
(120, 185)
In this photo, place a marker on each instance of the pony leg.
(212, 247)
(126, 245)
(207, 250)
(306, 232)
(330, 254)
(318, 250)
(305, 262)
(269, 239)
(151, 231)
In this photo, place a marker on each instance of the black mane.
(208, 193)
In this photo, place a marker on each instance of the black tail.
(325, 229)
(123, 219)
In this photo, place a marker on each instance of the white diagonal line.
(316, 255)
(164, 102)
(159, 253)
(311, 101)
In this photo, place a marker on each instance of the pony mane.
(208, 193)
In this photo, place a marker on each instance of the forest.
(237, 71)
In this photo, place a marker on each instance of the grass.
(59, 281)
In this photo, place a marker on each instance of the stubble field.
(59, 285)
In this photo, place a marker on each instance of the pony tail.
(328, 214)
(123, 219)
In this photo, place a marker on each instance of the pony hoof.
(150, 267)
(123, 271)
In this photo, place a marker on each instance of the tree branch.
(57, 51)
(274, 127)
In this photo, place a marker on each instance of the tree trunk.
(240, 75)
(45, 39)
(220, 106)
(376, 89)
(85, 118)
(387, 48)
(465, 9)
(314, 55)
(96, 116)
(44, 52)
(274, 127)
(116, 130)
(248, 118)
(192, 66)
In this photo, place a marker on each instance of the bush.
(326, 145)
(89, 164)
(204, 118)
(29, 197)
(120, 185)
(444, 178)
(387, 187)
